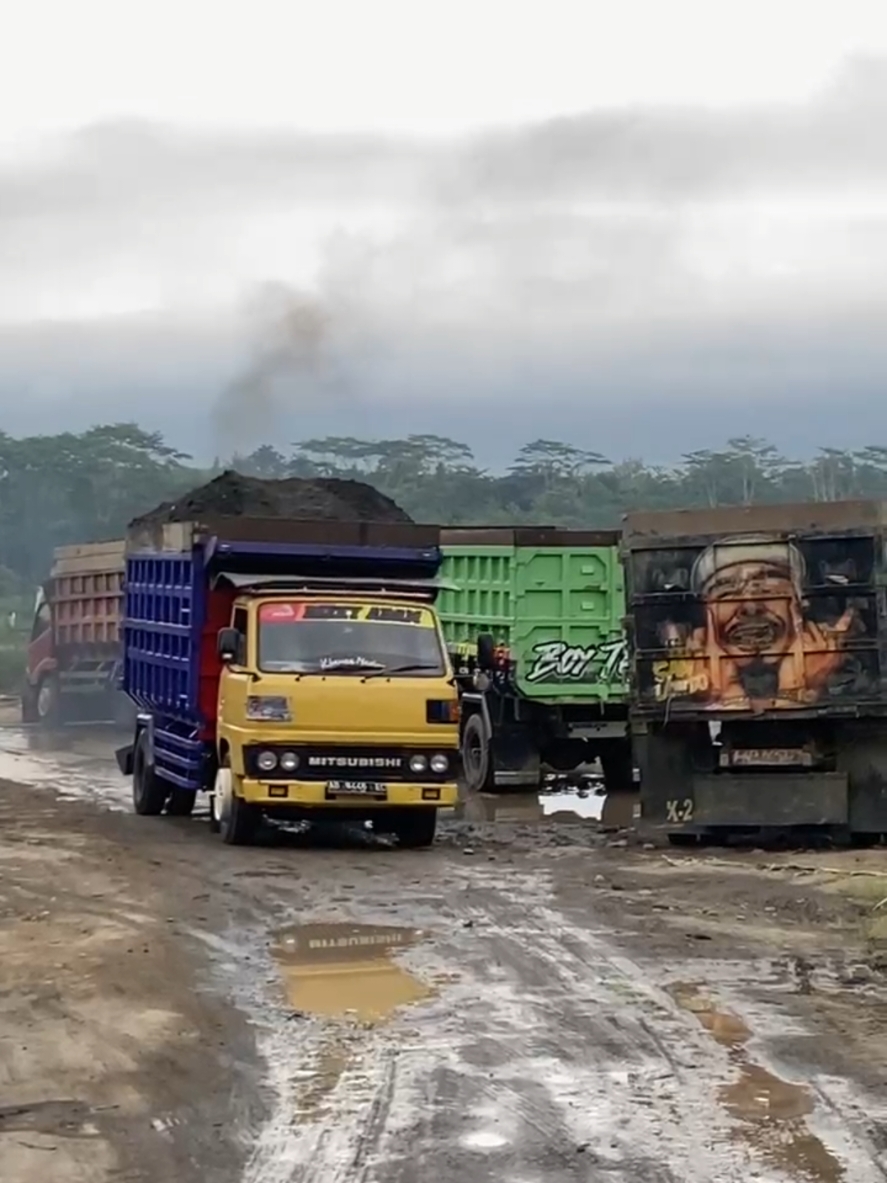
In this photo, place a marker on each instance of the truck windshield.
(348, 638)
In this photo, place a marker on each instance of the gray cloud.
(577, 263)
(646, 153)
(141, 165)
(685, 153)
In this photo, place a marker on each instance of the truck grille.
(334, 763)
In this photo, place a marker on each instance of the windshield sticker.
(300, 610)
(350, 663)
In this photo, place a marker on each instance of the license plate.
(783, 757)
(355, 788)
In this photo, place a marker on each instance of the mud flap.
(777, 799)
(125, 758)
(619, 811)
(516, 762)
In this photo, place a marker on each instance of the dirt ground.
(523, 1002)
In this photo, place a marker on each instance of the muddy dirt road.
(524, 1002)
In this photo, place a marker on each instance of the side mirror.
(486, 652)
(228, 644)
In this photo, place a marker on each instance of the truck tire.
(149, 792)
(181, 802)
(48, 703)
(477, 759)
(232, 817)
(29, 705)
(617, 766)
(414, 828)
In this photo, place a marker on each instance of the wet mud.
(318, 1011)
(769, 1110)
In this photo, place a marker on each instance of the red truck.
(75, 652)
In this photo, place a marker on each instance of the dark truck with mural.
(758, 696)
(534, 620)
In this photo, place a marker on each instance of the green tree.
(57, 489)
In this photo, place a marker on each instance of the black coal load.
(233, 495)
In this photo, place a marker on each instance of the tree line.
(67, 488)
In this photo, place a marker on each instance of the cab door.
(41, 647)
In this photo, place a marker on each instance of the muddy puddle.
(347, 970)
(78, 762)
(769, 1111)
(529, 808)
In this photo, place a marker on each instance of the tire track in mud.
(546, 1055)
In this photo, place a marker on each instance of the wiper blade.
(400, 669)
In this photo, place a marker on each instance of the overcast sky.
(648, 223)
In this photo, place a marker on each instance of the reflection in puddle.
(77, 762)
(771, 1110)
(531, 808)
(585, 806)
(341, 969)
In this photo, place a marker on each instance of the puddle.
(347, 969)
(580, 805)
(729, 1030)
(77, 762)
(769, 1111)
(532, 808)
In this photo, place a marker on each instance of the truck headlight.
(289, 761)
(418, 764)
(439, 763)
(267, 761)
(268, 708)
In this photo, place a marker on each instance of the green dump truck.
(534, 621)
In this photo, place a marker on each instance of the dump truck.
(758, 693)
(290, 669)
(534, 622)
(74, 660)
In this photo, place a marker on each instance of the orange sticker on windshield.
(292, 610)
(289, 611)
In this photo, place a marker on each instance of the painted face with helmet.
(751, 587)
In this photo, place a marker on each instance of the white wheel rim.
(222, 795)
(44, 700)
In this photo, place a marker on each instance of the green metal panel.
(484, 600)
(558, 609)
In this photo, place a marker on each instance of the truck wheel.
(414, 828)
(232, 817)
(617, 766)
(477, 761)
(181, 802)
(29, 705)
(149, 792)
(864, 840)
(683, 839)
(48, 704)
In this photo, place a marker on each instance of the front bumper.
(308, 794)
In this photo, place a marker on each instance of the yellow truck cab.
(334, 704)
(306, 675)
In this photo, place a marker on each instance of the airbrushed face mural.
(754, 622)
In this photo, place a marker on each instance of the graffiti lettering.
(678, 676)
(556, 661)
